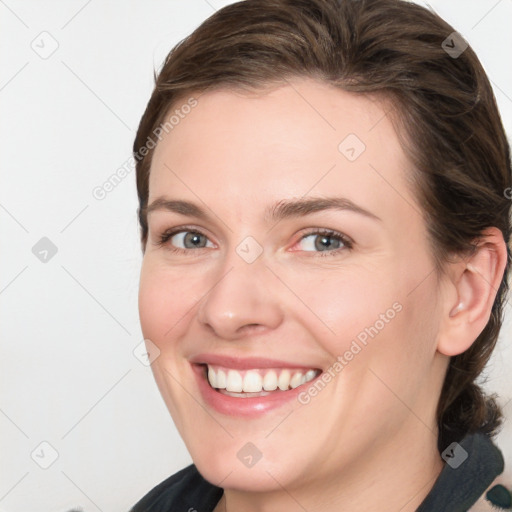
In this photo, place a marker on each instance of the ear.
(468, 297)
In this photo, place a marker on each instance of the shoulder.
(185, 490)
(470, 468)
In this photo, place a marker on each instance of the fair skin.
(370, 435)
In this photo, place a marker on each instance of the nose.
(240, 301)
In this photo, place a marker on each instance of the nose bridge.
(239, 296)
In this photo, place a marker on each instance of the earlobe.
(475, 281)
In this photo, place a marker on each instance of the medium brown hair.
(444, 103)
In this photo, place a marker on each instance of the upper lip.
(245, 363)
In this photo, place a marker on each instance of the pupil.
(325, 239)
(192, 237)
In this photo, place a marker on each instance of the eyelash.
(164, 237)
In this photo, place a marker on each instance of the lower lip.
(248, 407)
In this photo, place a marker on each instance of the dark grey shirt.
(469, 470)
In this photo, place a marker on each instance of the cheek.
(345, 306)
(372, 317)
(401, 354)
(163, 302)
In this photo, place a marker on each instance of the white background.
(68, 374)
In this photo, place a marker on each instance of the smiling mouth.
(256, 382)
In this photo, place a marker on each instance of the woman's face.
(267, 285)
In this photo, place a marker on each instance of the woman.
(324, 225)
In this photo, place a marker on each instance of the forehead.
(301, 137)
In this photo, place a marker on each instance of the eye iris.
(327, 240)
(192, 237)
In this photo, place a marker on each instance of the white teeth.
(234, 381)
(284, 380)
(270, 381)
(256, 381)
(296, 380)
(252, 382)
(221, 379)
(212, 378)
(310, 375)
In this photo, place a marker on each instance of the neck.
(397, 476)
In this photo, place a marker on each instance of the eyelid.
(166, 235)
(345, 239)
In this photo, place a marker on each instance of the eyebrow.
(286, 208)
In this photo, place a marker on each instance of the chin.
(235, 476)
